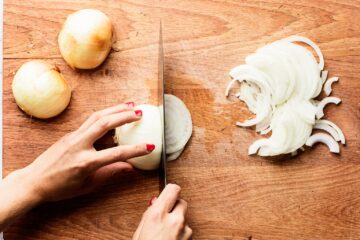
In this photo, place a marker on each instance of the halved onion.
(147, 130)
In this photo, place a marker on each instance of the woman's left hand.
(72, 166)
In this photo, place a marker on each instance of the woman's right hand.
(165, 218)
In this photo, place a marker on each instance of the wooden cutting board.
(314, 195)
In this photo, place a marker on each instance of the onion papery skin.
(40, 90)
(85, 39)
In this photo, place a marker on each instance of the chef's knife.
(163, 170)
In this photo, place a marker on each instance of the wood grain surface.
(315, 195)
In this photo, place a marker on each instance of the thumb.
(108, 173)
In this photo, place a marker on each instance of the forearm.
(16, 197)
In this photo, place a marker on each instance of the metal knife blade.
(162, 169)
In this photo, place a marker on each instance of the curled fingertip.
(152, 200)
(138, 113)
(150, 147)
(174, 186)
(130, 104)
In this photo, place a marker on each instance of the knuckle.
(140, 148)
(72, 141)
(183, 202)
(129, 117)
(177, 220)
(80, 167)
(174, 187)
(118, 154)
(95, 116)
(103, 123)
(156, 214)
(190, 232)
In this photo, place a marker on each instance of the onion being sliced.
(323, 103)
(324, 138)
(178, 124)
(147, 130)
(328, 83)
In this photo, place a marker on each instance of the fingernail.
(150, 147)
(130, 104)
(138, 113)
(152, 200)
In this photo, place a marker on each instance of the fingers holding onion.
(40, 89)
(178, 130)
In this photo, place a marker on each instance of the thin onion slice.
(174, 155)
(323, 138)
(324, 75)
(313, 45)
(328, 84)
(328, 129)
(265, 131)
(254, 148)
(178, 124)
(340, 134)
(323, 103)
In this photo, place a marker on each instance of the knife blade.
(162, 169)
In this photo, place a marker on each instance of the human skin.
(72, 167)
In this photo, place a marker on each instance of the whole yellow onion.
(40, 89)
(85, 39)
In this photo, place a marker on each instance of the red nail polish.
(130, 104)
(152, 200)
(138, 112)
(150, 147)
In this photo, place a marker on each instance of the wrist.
(17, 195)
(28, 188)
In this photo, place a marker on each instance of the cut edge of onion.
(230, 85)
(328, 85)
(323, 103)
(335, 127)
(255, 146)
(323, 138)
(265, 131)
(327, 128)
(324, 75)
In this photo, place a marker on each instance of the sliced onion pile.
(178, 126)
(279, 83)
